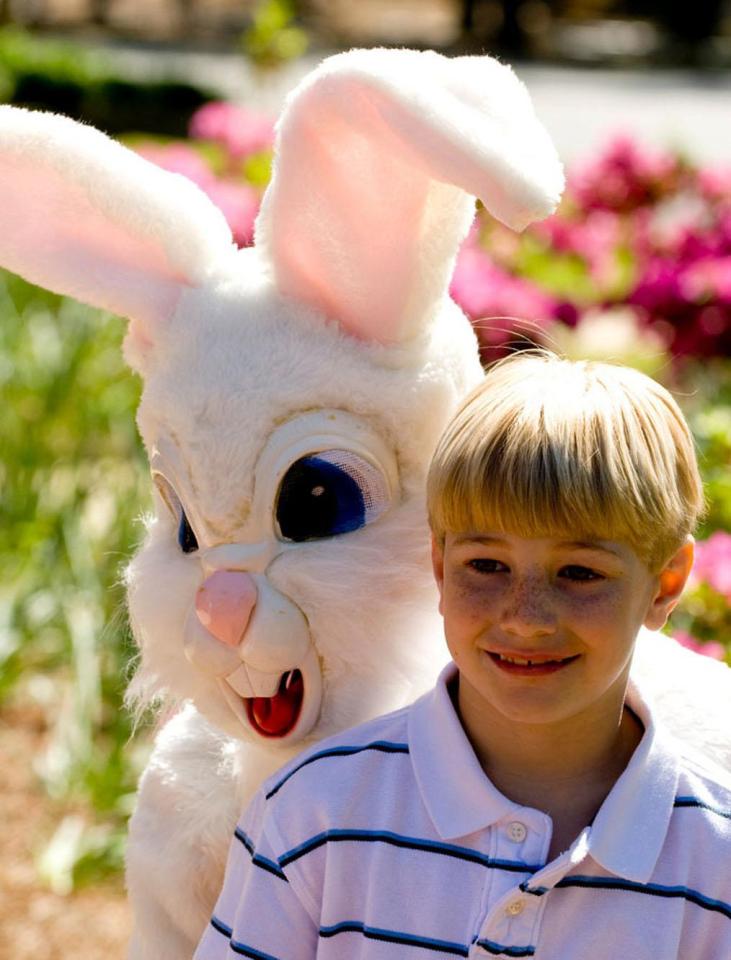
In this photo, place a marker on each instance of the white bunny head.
(293, 392)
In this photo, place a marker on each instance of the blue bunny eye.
(329, 493)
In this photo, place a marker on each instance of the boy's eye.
(575, 571)
(186, 538)
(487, 565)
(329, 493)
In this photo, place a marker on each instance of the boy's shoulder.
(705, 787)
(320, 764)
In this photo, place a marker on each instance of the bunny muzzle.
(256, 643)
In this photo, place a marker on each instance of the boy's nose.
(527, 612)
(224, 603)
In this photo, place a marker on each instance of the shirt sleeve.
(259, 914)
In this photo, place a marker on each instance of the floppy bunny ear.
(380, 153)
(84, 216)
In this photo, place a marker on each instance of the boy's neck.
(565, 769)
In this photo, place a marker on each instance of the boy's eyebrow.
(563, 545)
(588, 545)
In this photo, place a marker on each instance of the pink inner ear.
(355, 223)
(53, 236)
(340, 254)
(328, 245)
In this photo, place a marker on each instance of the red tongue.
(276, 716)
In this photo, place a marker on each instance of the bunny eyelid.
(169, 496)
(308, 434)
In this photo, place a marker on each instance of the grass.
(74, 484)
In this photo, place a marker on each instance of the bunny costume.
(293, 394)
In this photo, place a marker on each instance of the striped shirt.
(388, 842)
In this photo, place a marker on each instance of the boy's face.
(543, 629)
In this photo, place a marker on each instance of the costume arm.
(259, 912)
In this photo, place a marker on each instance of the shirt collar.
(458, 795)
(629, 830)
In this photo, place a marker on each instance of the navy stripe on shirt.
(395, 936)
(652, 889)
(695, 802)
(409, 843)
(499, 950)
(383, 746)
(241, 948)
(257, 859)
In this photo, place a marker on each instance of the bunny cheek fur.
(255, 339)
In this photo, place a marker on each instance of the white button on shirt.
(388, 842)
(517, 831)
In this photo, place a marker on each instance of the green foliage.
(74, 484)
(64, 77)
(273, 37)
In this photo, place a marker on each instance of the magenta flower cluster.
(712, 563)
(638, 228)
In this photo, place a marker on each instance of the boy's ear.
(671, 582)
(437, 562)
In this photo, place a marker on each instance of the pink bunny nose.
(224, 603)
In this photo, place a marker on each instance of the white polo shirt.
(388, 842)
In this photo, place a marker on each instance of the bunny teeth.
(249, 682)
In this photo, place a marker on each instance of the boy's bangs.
(533, 491)
(547, 447)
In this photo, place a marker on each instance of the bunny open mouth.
(277, 716)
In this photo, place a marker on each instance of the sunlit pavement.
(581, 108)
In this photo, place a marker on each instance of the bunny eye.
(187, 540)
(329, 493)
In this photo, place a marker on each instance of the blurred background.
(635, 266)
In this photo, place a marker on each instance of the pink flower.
(178, 158)
(239, 203)
(709, 279)
(715, 182)
(711, 649)
(713, 562)
(624, 177)
(241, 131)
(498, 301)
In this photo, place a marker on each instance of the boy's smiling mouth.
(537, 664)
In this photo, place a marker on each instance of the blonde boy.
(528, 806)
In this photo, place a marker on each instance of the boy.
(528, 806)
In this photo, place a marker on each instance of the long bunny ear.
(380, 153)
(82, 215)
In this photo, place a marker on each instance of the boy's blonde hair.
(552, 447)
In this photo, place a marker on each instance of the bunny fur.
(335, 331)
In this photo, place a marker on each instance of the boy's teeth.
(522, 661)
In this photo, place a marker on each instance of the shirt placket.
(511, 923)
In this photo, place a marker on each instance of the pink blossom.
(241, 131)
(710, 649)
(709, 279)
(715, 182)
(496, 300)
(239, 203)
(624, 177)
(594, 237)
(713, 562)
(178, 158)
